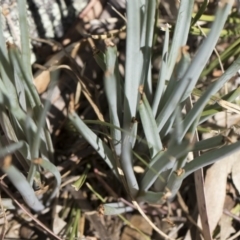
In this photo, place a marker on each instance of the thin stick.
(161, 233)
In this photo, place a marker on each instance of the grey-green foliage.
(160, 111)
(23, 118)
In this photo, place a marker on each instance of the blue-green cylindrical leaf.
(173, 93)
(115, 208)
(127, 165)
(100, 58)
(162, 74)
(5, 67)
(204, 52)
(146, 45)
(175, 182)
(10, 96)
(176, 134)
(52, 169)
(4, 97)
(181, 66)
(3, 49)
(172, 103)
(21, 184)
(209, 143)
(211, 157)
(213, 89)
(28, 78)
(112, 93)
(149, 126)
(11, 148)
(14, 135)
(23, 92)
(180, 33)
(148, 23)
(191, 76)
(7, 75)
(162, 162)
(41, 133)
(7, 126)
(101, 148)
(133, 133)
(134, 60)
(25, 39)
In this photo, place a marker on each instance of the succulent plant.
(167, 131)
(25, 134)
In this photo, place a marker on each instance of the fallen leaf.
(215, 189)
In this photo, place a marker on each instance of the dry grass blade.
(229, 106)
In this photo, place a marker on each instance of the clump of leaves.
(23, 119)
